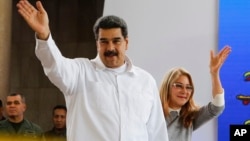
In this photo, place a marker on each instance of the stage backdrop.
(234, 30)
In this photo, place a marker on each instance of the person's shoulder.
(80, 61)
(48, 132)
(33, 125)
(143, 72)
(3, 123)
(139, 69)
(3, 118)
(5, 126)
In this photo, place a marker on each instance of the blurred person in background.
(58, 132)
(1, 111)
(16, 127)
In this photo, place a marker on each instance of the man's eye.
(103, 42)
(117, 41)
(16, 102)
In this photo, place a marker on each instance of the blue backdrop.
(234, 30)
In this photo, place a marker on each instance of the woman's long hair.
(189, 110)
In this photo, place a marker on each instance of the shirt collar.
(178, 110)
(100, 66)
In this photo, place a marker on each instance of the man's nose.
(110, 46)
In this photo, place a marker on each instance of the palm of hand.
(37, 20)
(216, 61)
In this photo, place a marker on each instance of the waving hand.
(36, 18)
(216, 61)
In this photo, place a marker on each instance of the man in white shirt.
(108, 98)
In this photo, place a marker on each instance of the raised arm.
(216, 62)
(36, 18)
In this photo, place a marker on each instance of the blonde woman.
(176, 92)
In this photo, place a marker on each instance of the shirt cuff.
(49, 38)
(41, 43)
(219, 100)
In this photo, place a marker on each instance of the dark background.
(71, 23)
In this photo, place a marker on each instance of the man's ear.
(126, 40)
(24, 107)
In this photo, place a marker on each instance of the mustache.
(110, 53)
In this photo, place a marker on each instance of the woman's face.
(180, 92)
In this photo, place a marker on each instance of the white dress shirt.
(104, 104)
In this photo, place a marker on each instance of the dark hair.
(16, 94)
(59, 107)
(108, 22)
(1, 103)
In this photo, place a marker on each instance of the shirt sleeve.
(156, 125)
(219, 99)
(61, 71)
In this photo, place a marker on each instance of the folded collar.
(100, 66)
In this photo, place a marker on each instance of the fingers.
(225, 52)
(216, 61)
(211, 54)
(25, 8)
(40, 7)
